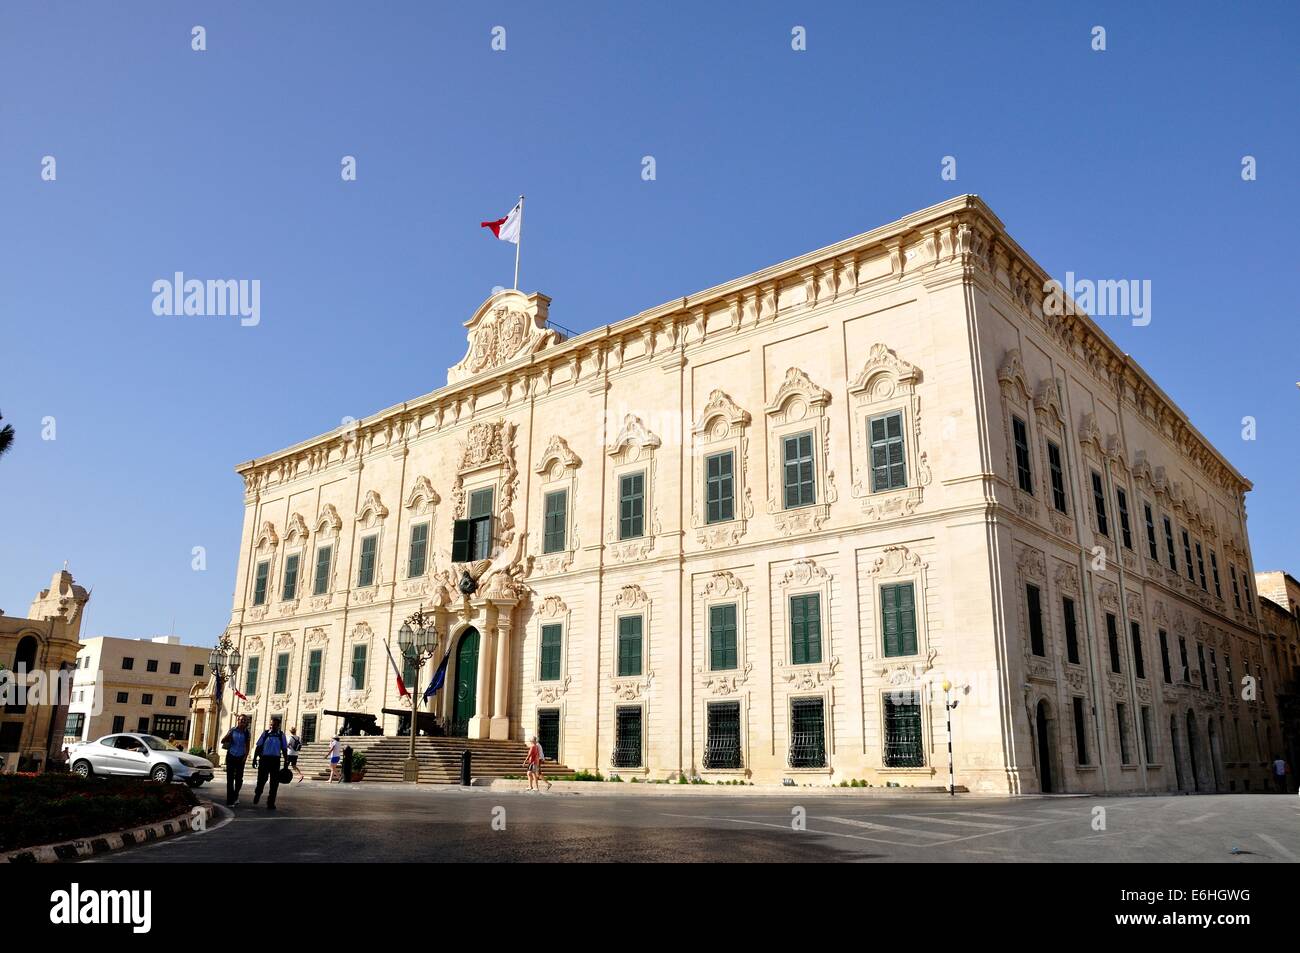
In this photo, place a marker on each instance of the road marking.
(868, 825)
(787, 827)
(943, 820)
(1057, 812)
(1197, 820)
(998, 817)
(1278, 847)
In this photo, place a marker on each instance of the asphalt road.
(316, 823)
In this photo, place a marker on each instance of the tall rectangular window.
(798, 473)
(898, 618)
(322, 581)
(1187, 556)
(806, 629)
(719, 488)
(1153, 549)
(1214, 572)
(1058, 476)
(629, 645)
(1214, 673)
(722, 742)
(366, 570)
(903, 747)
(556, 520)
(1125, 531)
(627, 737)
(1148, 736)
(1080, 733)
(1024, 475)
(259, 582)
(250, 675)
(281, 673)
(478, 534)
(1200, 664)
(1071, 630)
(1112, 640)
(1227, 669)
(1184, 667)
(1139, 667)
(1200, 566)
(358, 667)
(807, 733)
(1037, 644)
(308, 729)
(1236, 590)
(1169, 543)
(1125, 749)
(1165, 668)
(888, 466)
(314, 660)
(289, 591)
(722, 636)
(1099, 504)
(552, 635)
(631, 505)
(417, 557)
(548, 733)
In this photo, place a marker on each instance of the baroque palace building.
(750, 533)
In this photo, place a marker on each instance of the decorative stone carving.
(1067, 578)
(722, 584)
(548, 693)
(634, 436)
(631, 597)
(896, 561)
(296, 531)
(806, 678)
(803, 573)
(372, 509)
(509, 325)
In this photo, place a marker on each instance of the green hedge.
(52, 808)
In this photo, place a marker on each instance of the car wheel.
(162, 773)
(82, 769)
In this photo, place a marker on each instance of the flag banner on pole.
(238, 693)
(439, 677)
(218, 691)
(507, 229)
(401, 685)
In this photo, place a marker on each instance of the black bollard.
(464, 768)
(347, 764)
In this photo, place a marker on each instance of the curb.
(107, 843)
(605, 789)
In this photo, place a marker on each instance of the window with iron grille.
(556, 521)
(898, 618)
(1112, 639)
(164, 725)
(552, 636)
(366, 569)
(358, 668)
(1080, 732)
(314, 659)
(1024, 475)
(903, 747)
(888, 457)
(1200, 566)
(1164, 657)
(1058, 476)
(250, 675)
(629, 645)
(631, 505)
(722, 745)
(1125, 532)
(1099, 504)
(807, 733)
(548, 733)
(417, 558)
(1139, 668)
(722, 636)
(806, 629)
(1169, 543)
(1037, 644)
(798, 472)
(289, 591)
(1071, 630)
(322, 582)
(259, 582)
(719, 488)
(75, 725)
(1125, 749)
(1153, 548)
(1187, 557)
(627, 737)
(308, 729)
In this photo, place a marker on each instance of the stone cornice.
(962, 232)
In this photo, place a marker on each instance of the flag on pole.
(218, 677)
(401, 685)
(238, 693)
(439, 677)
(507, 229)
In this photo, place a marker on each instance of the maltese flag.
(507, 229)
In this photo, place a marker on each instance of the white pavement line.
(786, 827)
(943, 820)
(1278, 847)
(998, 817)
(1057, 812)
(868, 825)
(1196, 820)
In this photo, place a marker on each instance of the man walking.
(1279, 774)
(271, 746)
(236, 742)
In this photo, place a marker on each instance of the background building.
(750, 533)
(140, 685)
(39, 647)
(1279, 603)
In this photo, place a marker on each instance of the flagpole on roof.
(520, 241)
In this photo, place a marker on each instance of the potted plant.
(358, 766)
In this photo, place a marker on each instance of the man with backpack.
(271, 747)
(236, 744)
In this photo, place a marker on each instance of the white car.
(142, 756)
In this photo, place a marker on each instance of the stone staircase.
(439, 758)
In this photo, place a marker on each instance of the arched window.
(26, 655)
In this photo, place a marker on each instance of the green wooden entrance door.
(466, 678)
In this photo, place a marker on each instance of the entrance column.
(480, 724)
(500, 728)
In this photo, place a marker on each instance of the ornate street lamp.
(418, 641)
(223, 662)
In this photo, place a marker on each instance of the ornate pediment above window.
(1108, 595)
(1067, 578)
(372, 510)
(508, 326)
(632, 440)
(558, 469)
(885, 386)
(721, 430)
(633, 450)
(557, 458)
(296, 534)
(1047, 404)
(423, 498)
(1030, 562)
(267, 539)
(329, 522)
(799, 407)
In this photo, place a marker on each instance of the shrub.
(51, 808)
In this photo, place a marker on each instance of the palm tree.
(6, 436)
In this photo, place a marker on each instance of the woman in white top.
(334, 761)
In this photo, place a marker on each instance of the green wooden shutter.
(460, 541)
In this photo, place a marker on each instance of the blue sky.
(225, 163)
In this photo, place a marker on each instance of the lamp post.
(418, 640)
(223, 662)
(949, 705)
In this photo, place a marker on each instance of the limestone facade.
(794, 505)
